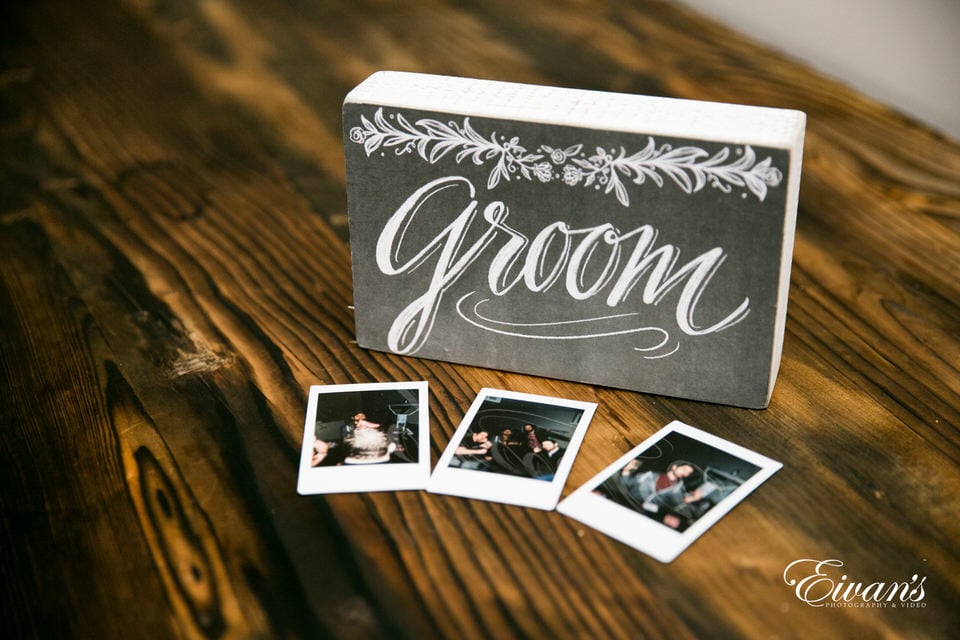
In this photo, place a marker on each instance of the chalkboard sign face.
(624, 259)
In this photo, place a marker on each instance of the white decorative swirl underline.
(662, 355)
(486, 323)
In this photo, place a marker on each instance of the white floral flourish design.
(690, 168)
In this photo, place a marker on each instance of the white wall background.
(905, 53)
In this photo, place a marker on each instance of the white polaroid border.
(359, 477)
(495, 486)
(643, 533)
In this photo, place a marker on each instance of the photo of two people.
(677, 480)
(663, 494)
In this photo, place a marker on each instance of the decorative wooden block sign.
(627, 241)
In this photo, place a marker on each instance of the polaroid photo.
(365, 437)
(514, 448)
(668, 490)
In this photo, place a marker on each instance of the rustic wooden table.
(175, 274)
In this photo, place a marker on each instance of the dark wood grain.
(175, 275)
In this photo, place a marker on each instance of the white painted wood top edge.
(713, 121)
